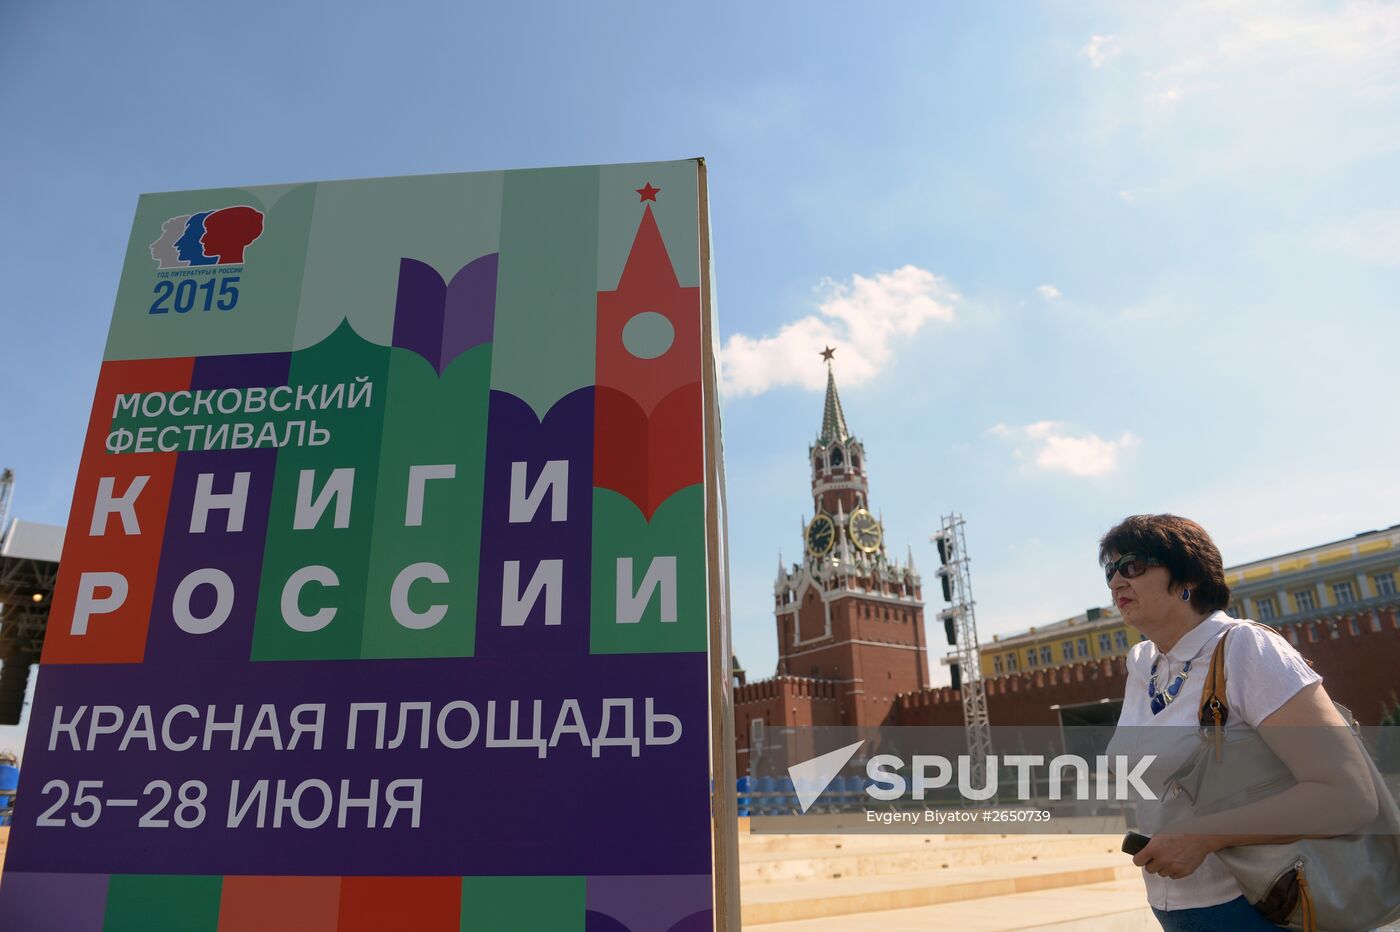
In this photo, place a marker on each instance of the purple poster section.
(486, 810)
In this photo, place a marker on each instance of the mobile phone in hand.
(1133, 842)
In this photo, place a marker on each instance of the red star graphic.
(648, 193)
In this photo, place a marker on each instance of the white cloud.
(1372, 237)
(1048, 292)
(1100, 50)
(1259, 90)
(1050, 446)
(865, 319)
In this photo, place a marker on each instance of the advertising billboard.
(392, 568)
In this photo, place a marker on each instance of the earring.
(1186, 595)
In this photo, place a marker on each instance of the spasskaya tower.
(848, 613)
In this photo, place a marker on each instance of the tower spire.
(833, 418)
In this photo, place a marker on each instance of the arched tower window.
(838, 457)
(855, 460)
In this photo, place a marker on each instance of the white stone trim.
(854, 641)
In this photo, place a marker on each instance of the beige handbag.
(1350, 882)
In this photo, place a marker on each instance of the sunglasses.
(1131, 565)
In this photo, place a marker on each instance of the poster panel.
(388, 583)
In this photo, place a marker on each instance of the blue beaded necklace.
(1160, 700)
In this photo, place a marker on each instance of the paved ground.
(1116, 906)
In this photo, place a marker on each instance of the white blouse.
(1263, 672)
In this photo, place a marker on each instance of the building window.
(1352, 626)
(1030, 657)
(1303, 598)
(1011, 663)
(1120, 640)
(996, 663)
(1045, 657)
(1266, 608)
(1293, 635)
(1104, 643)
(1343, 592)
(1385, 583)
(1068, 648)
(1375, 621)
(1082, 647)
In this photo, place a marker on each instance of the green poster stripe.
(676, 210)
(354, 444)
(523, 904)
(361, 229)
(267, 283)
(162, 903)
(677, 529)
(546, 293)
(434, 422)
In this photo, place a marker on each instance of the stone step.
(1113, 906)
(780, 902)
(818, 864)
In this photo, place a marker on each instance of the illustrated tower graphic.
(848, 612)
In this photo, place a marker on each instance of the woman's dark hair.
(1183, 546)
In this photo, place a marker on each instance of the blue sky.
(1080, 260)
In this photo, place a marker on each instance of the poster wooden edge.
(724, 814)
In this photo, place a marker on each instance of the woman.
(1168, 581)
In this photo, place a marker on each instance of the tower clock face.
(865, 530)
(821, 534)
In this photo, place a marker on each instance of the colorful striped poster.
(389, 578)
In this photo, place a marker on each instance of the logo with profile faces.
(210, 237)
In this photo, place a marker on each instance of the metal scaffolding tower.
(960, 621)
(7, 484)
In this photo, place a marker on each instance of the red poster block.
(424, 904)
(102, 601)
(648, 424)
(279, 904)
(648, 286)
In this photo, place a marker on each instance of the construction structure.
(7, 485)
(960, 626)
(29, 555)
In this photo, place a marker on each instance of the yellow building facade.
(1345, 581)
(1090, 635)
(1353, 575)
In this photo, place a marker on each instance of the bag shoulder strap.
(1214, 690)
(1214, 711)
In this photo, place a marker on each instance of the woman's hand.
(1174, 856)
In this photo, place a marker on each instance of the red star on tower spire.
(648, 193)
